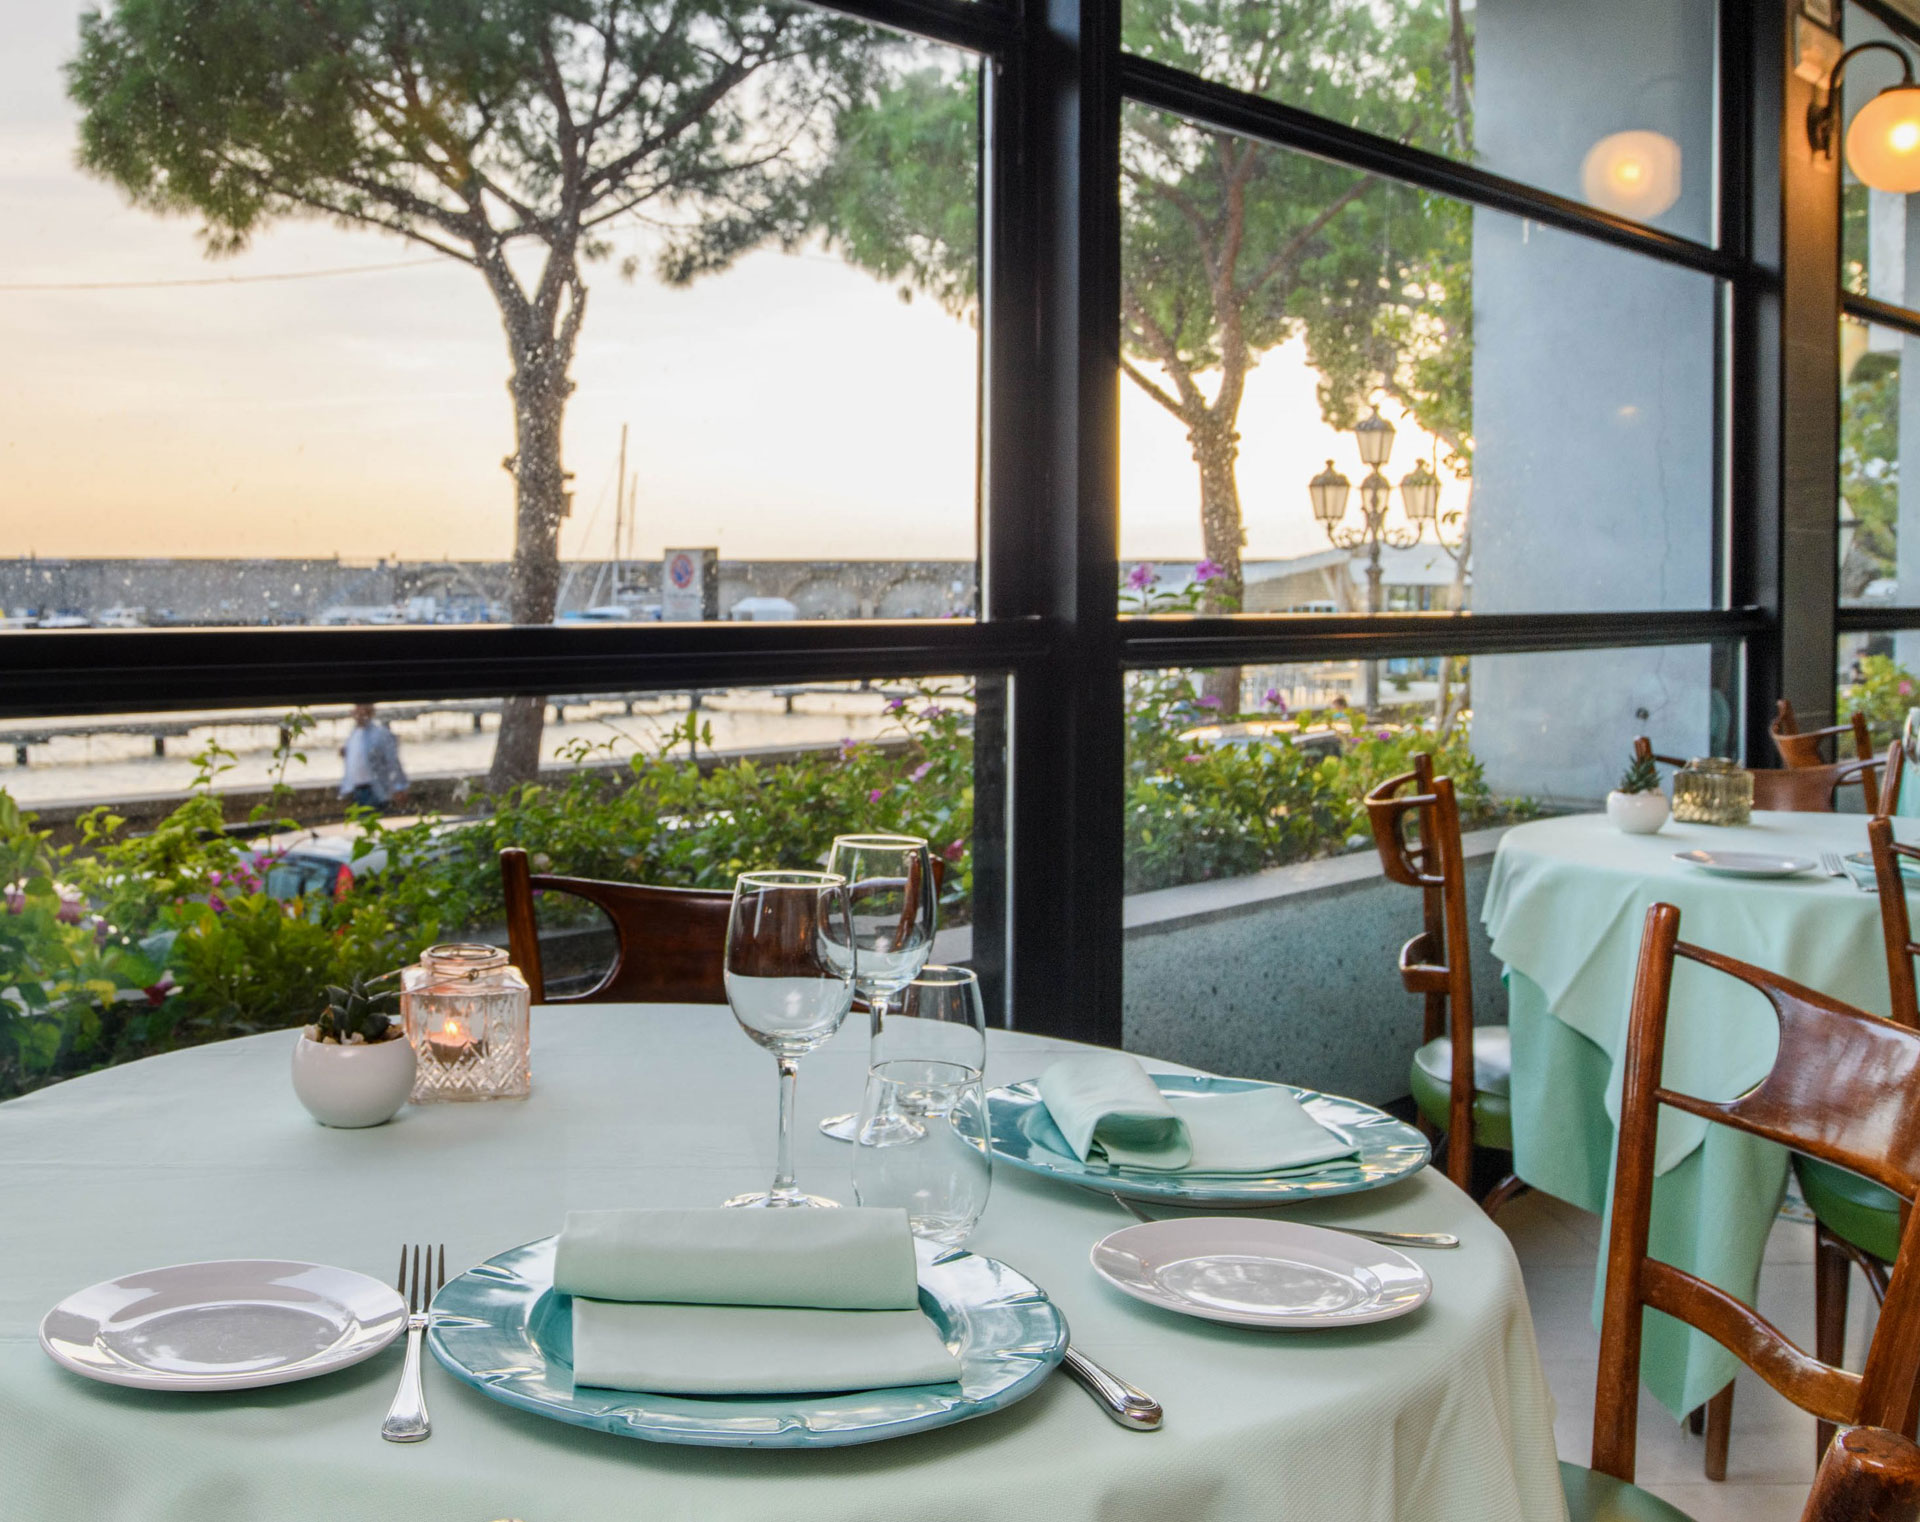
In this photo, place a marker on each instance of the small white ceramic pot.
(351, 1086)
(1637, 813)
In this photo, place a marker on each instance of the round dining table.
(205, 1154)
(1566, 906)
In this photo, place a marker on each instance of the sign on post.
(690, 586)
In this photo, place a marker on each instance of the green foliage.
(1884, 690)
(359, 1012)
(1641, 775)
(1870, 466)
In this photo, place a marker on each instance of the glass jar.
(1713, 790)
(466, 1013)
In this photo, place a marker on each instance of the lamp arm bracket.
(1823, 114)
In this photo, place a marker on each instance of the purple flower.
(933, 711)
(1383, 734)
(1141, 577)
(1208, 570)
(1209, 701)
(955, 850)
(1274, 700)
(876, 795)
(919, 771)
(894, 705)
(1196, 756)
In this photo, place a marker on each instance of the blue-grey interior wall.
(1303, 988)
(1593, 392)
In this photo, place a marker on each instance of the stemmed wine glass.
(789, 977)
(893, 901)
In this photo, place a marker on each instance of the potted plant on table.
(1637, 806)
(354, 1065)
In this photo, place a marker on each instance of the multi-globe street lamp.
(1419, 497)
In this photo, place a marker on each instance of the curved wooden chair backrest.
(670, 942)
(1868, 1475)
(1896, 921)
(1435, 963)
(1844, 1088)
(1808, 789)
(1802, 749)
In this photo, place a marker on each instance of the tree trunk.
(1216, 449)
(540, 387)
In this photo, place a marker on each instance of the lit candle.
(453, 1042)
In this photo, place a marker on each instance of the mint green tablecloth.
(1441, 1415)
(1565, 906)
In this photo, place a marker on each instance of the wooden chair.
(1870, 1475)
(1845, 1088)
(1461, 1072)
(1857, 1222)
(671, 942)
(1801, 748)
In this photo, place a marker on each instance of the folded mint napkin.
(1105, 1103)
(747, 1302)
(850, 1260)
(753, 1349)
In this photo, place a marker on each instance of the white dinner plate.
(1261, 1273)
(227, 1325)
(1745, 863)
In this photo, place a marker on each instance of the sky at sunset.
(792, 407)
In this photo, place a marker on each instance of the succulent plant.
(357, 1015)
(1641, 776)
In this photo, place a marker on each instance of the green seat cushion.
(1854, 1209)
(1595, 1497)
(1431, 1082)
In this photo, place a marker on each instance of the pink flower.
(157, 992)
(1208, 570)
(919, 771)
(1905, 689)
(876, 795)
(1196, 756)
(1209, 701)
(1141, 577)
(955, 850)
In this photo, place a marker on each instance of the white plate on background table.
(229, 1325)
(1745, 863)
(1277, 1274)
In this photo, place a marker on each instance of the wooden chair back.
(1868, 1475)
(1435, 963)
(1896, 922)
(1844, 1088)
(670, 943)
(1802, 749)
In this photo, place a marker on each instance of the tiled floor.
(1770, 1464)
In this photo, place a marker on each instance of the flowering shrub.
(1884, 690)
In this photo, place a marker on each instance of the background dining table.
(204, 1153)
(1565, 906)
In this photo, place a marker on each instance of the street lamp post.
(1419, 495)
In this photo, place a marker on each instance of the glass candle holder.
(1713, 790)
(466, 1012)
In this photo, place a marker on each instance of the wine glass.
(893, 900)
(922, 1144)
(789, 976)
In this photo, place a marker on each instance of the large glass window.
(186, 877)
(250, 383)
(1348, 395)
(1610, 103)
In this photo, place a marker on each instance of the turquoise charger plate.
(1025, 1136)
(505, 1330)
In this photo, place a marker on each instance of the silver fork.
(407, 1417)
(1831, 864)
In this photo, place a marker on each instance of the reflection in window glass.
(1610, 103)
(689, 348)
(1876, 675)
(246, 859)
(1344, 394)
(1874, 500)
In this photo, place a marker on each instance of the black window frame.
(1050, 641)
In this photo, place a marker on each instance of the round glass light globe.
(1883, 143)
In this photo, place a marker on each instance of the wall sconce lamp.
(1883, 143)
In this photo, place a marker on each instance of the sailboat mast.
(619, 513)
